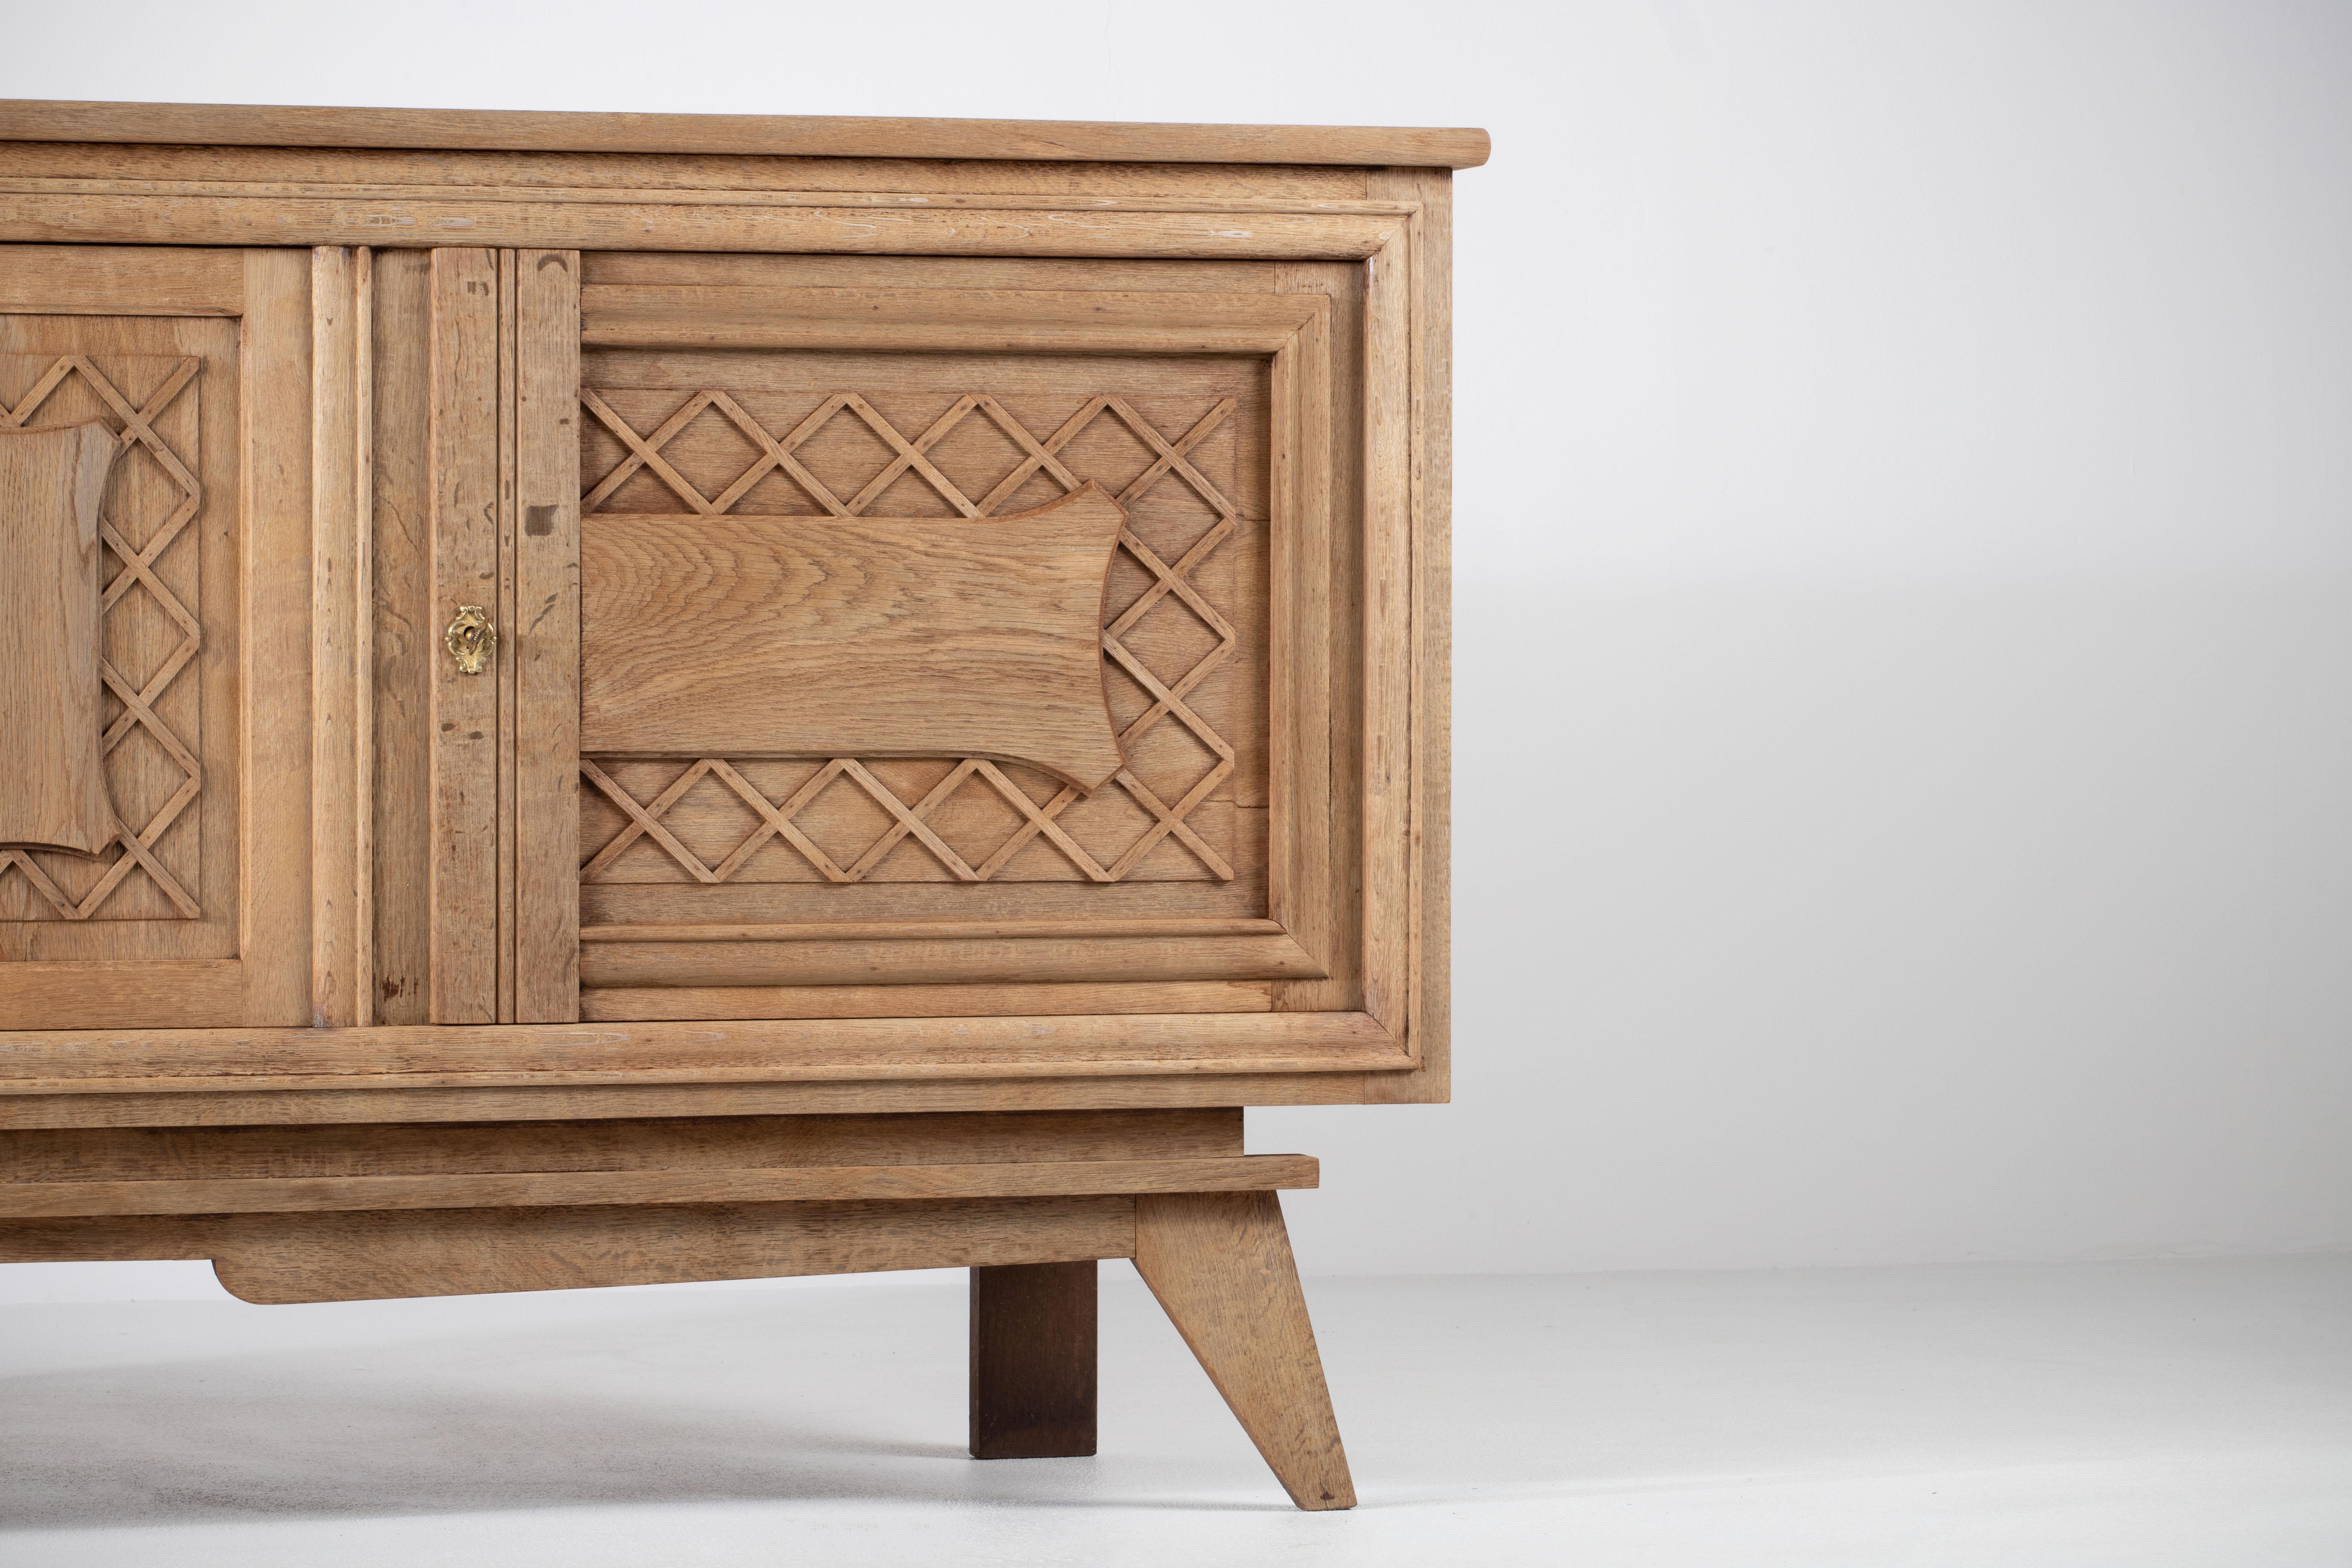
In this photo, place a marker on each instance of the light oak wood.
(53, 792)
(274, 1259)
(547, 637)
(630, 1004)
(33, 120)
(967, 961)
(342, 967)
(931, 930)
(657, 1144)
(466, 711)
(111, 216)
(1429, 938)
(223, 1106)
(935, 1008)
(941, 320)
(1059, 1178)
(1221, 1266)
(492, 171)
(405, 637)
(747, 1051)
(275, 840)
(81, 280)
(854, 637)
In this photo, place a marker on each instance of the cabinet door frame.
(505, 537)
(268, 292)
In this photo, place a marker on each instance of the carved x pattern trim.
(137, 701)
(776, 454)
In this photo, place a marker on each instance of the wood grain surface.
(294, 1194)
(852, 637)
(53, 790)
(1221, 1265)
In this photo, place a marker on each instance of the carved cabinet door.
(155, 617)
(882, 642)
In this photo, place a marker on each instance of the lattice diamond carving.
(141, 521)
(1170, 584)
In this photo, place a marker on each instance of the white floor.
(2141, 1414)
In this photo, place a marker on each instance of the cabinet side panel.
(1431, 938)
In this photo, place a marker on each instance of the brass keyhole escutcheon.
(471, 640)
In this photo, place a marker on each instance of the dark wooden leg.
(1221, 1265)
(1033, 1361)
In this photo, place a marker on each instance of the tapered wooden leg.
(1033, 1361)
(1221, 1265)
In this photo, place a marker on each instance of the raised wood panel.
(146, 630)
(854, 637)
(50, 483)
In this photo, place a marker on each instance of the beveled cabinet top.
(774, 135)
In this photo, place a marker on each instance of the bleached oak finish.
(660, 1143)
(53, 793)
(271, 1259)
(191, 916)
(544, 718)
(79, 281)
(743, 1051)
(466, 501)
(836, 637)
(33, 120)
(1221, 1266)
(397, 980)
(342, 726)
(222, 1105)
(405, 635)
(1060, 1178)
(86, 212)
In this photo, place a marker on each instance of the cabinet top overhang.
(773, 135)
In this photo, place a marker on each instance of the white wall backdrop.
(1905, 541)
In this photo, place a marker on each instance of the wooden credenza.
(599, 700)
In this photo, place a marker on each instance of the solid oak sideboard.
(593, 700)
